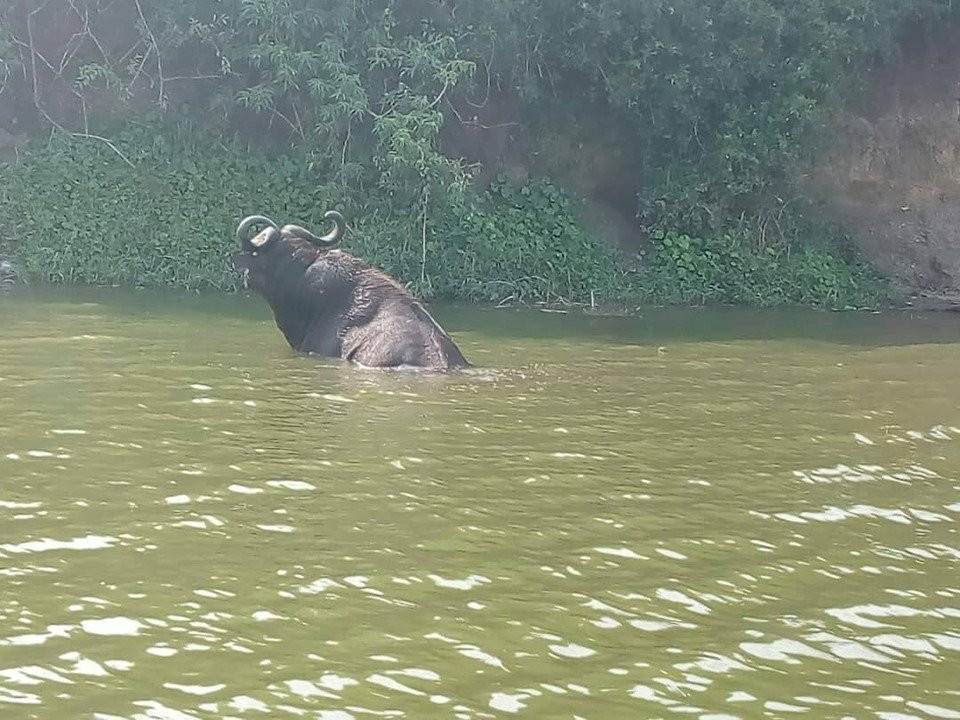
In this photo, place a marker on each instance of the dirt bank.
(890, 172)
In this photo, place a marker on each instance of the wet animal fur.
(332, 303)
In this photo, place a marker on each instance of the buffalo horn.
(331, 238)
(244, 227)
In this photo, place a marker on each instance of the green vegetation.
(170, 220)
(83, 215)
(729, 268)
(716, 104)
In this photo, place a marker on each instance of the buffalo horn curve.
(245, 225)
(331, 238)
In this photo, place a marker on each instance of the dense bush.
(729, 268)
(519, 242)
(77, 212)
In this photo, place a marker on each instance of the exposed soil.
(890, 172)
(589, 156)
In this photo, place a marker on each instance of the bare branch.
(296, 115)
(346, 143)
(35, 55)
(139, 71)
(130, 50)
(176, 78)
(5, 75)
(70, 50)
(33, 51)
(156, 48)
(475, 122)
(55, 126)
(287, 120)
(46, 62)
(106, 142)
(436, 101)
(423, 242)
(486, 98)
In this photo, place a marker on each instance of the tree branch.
(156, 49)
(33, 50)
(106, 142)
(57, 126)
(5, 76)
(175, 78)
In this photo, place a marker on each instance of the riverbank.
(218, 301)
(158, 208)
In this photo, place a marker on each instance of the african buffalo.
(329, 302)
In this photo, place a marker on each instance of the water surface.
(698, 513)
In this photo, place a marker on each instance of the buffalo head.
(258, 253)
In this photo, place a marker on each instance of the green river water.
(693, 513)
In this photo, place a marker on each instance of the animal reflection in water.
(329, 302)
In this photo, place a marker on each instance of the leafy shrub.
(730, 269)
(520, 242)
(78, 213)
